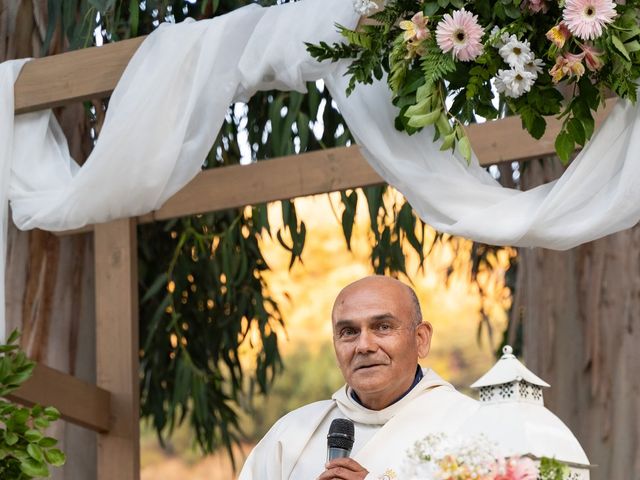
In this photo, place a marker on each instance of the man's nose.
(366, 342)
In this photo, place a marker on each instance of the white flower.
(514, 82)
(516, 52)
(476, 453)
(534, 66)
(364, 7)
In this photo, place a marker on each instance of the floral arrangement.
(448, 62)
(474, 458)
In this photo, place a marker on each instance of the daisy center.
(459, 36)
(519, 77)
(517, 50)
(589, 11)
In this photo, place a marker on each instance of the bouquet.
(449, 63)
(439, 457)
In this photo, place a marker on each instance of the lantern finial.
(507, 351)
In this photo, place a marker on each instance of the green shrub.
(25, 451)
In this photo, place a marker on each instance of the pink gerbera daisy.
(586, 18)
(516, 468)
(460, 34)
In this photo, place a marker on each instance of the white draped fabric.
(171, 101)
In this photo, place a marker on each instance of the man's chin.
(370, 378)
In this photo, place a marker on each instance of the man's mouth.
(371, 365)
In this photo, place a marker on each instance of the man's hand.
(343, 469)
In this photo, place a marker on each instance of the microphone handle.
(336, 452)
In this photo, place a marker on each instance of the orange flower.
(559, 35)
(567, 65)
(416, 29)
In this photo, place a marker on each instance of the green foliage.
(552, 469)
(398, 65)
(324, 51)
(436, 66)
(25, 451)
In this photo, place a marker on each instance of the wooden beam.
(506, 141)
(79, 402)
(74, 76)
(286, 177)
(117, 347)
(336, 169)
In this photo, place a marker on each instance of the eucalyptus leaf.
(419, 121)
(464, 147)
(565, 145)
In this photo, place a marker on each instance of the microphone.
(340, 439)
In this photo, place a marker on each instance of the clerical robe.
(295, 447)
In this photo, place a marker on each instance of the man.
(378, 337)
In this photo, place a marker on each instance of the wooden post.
(117, 347)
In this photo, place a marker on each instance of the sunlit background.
(468, 317)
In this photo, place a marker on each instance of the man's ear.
(424, 332)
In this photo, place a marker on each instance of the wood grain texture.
(117, 347)
(286, 177)
(74, 76)
(79, 402)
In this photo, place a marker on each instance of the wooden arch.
(111, 407)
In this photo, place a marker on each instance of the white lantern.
(512, 414)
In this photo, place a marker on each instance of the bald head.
(380, 283)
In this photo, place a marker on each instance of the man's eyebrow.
(343, 323)
(376, 318)
(384, 316)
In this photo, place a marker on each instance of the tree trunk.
(580, 313)
(50, 298)
(49, 279)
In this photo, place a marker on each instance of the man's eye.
(347, 332)
(384, 327)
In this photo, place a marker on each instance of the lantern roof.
(508, 369)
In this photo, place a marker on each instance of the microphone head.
(341, 434)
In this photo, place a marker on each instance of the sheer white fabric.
(170, 103)
(597, 195)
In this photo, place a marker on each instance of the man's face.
(376, 341)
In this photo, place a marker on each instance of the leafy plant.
(25, 451)
(552, 469)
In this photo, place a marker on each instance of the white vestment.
(295, 447)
